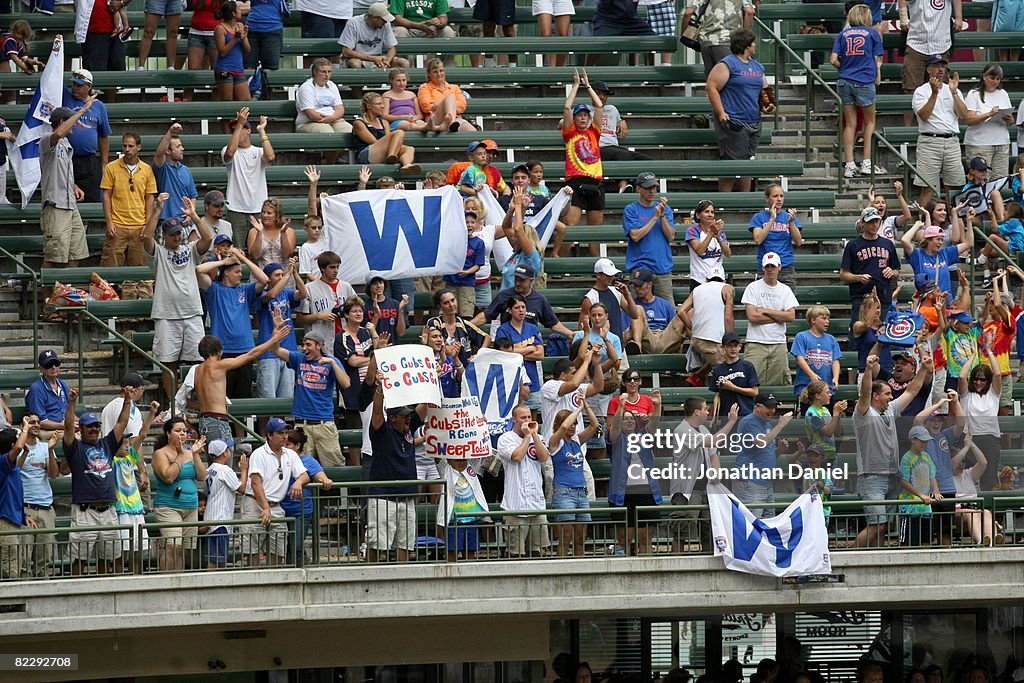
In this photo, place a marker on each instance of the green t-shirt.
(959, 348)
(418, 10)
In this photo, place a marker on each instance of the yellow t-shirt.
(128, 192)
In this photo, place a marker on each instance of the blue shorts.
(363, 157)
(217, 546)
(533, 401)
(229, 77)
(165, 8)
(464, 537)
(570, 498)
(197, 41)
(860, 94)
(318, 26)
(1008, 16)
(395, 124)
(878, 487)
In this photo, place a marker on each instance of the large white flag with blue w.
(543, 221)
(793, 543)
(24, 152)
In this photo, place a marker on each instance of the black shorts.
(587, 193)
(501, 12)
(618, 153)
(88, 173)
(737, 140)
(634, 500)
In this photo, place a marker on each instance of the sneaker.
(865, 169)
(626, 188)
(980, 260)
(851, 171)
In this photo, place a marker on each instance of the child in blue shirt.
(857, 54)
(816, 351)
(464, 281)
(777, 229)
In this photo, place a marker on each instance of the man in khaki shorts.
(708, 314)
(62, 225)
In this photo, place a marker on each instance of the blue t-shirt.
(529, 336)
(229, 315)
(291, 507)
(89, 128)
(48, 404)
(819, 352)
(476, 253)
(568, 464)
(653, 252)
(760, 458)
(659, 313)
(265, 15)
(450, 386)
(876, 10)
(779, 239)
(394, 459)
(863, 345)
(387, 321)
(176, 180)
(742, 92)
(508, 269)
(742, 374)
(12, 495)
(935, 266)
(857, 47)
(265, 319)
(940, 449)
(93, 479)
(315, 385)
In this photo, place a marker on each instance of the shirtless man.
(211, 381)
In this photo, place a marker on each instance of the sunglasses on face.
(632, 379)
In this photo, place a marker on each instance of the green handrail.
(35, 299)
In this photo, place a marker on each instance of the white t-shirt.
(991, 131)
(247, 179)
(551, 403)
(943, 118)
(964, 484)
(109, 417)
(336, 9)
(930, 27)
(781, 298)
(485, 233)
(982, 412)
(524, 481)
(308, 254)
(221, 484)
(312, 96)
(275, 472)
(359, 36)
(610, 127)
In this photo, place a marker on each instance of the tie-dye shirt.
(582, 153)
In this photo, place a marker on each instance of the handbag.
(689, 35)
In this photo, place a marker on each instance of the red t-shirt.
(643, 406)
(203, 19)
(102, 19)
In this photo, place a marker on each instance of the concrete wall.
(336, 616)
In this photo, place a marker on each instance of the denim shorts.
(533, 401)
(878, 487)
(165, 8)
(570, 498)
(200, 42)
(860, 94)
(229, 77)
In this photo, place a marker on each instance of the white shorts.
(426, 469)
(175, 340)
(254, 536)
(555, 8)
(141, 535)
(107, 543)
(391, 524)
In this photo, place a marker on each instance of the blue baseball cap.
(221, 239)
(88, 419)
(272, 268)
(49, 357)
(963, 317)
(580, 107)
(474, 146)
(276, 424)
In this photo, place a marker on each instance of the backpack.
(557, 345)
(259, 84)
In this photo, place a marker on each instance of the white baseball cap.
(605, 265)
(771, 259)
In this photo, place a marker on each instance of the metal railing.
(402, 529)
(36, 279)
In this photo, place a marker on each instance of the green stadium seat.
(967, 39)
(834, 11)
(15, 380)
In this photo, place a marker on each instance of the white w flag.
(396, 233)
(794, 543)
(543, 221)
(494, 378)
(24, 152)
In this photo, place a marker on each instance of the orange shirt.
(429, 95)
(582, 152)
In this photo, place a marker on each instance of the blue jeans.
(751, 495)
(274, 379)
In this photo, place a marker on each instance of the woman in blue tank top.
(176, 499)
(232, 39)
(735, 90)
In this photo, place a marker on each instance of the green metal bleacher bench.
(465, 77)
(191, 112)
(740, 263)
(967, 70)
(321, 47)
(834, 11)
(460, 15)
(457, 142)
(680, 201)
(13, 380)
(969, 39)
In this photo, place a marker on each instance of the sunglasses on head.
(280, 474)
